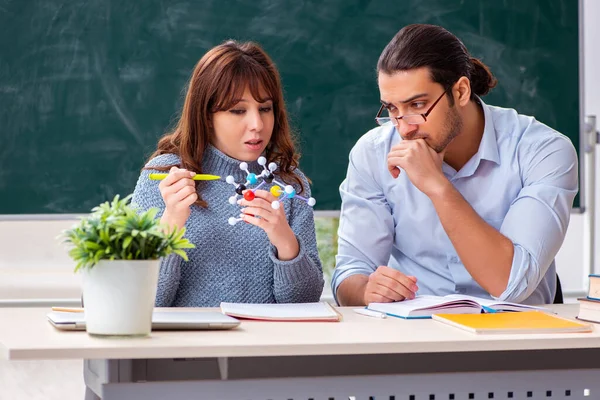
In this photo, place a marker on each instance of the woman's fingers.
(260, 222)
(262, 199)
(265, 195)
(184, 192)
(258, 212)
(176, 174)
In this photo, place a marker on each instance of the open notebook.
(282, 312)
(424, 306)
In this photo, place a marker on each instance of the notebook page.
(507, 306)
(495, 304)
(279, 311)
(424, 302)
(59, 317)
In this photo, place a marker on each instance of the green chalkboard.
(87, 87)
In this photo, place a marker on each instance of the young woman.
(233, 112)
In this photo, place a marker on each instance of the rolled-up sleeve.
(538, 217)
(366, 230)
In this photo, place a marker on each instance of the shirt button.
(454, 259)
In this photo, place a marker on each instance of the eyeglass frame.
(424, 115)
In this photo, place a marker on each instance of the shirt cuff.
(338, 278)
(517, 288)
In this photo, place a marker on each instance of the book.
(594, 287)
(424, 306)
(589, 309)
(513, 322)
(282, 312)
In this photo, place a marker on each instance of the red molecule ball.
(249, 195)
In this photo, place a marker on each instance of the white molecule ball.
(289, 189)
(262, 161)
(232, 221)
(230, 179)
(244, 166)
(272, 166)
(233, 200)
(275, 205)
(311, 201)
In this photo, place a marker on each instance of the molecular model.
(267, 176)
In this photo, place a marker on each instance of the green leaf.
(116, 230)
(182, 254)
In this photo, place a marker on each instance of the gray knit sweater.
(232, 263)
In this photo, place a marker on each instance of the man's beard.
(452, 127)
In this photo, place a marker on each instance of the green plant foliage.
(327, 242)
(117, 231)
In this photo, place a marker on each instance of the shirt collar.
(488, 148)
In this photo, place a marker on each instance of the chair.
(558, 297)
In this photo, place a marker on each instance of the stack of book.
(589, 307)
(481, 316)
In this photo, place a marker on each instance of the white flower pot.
(119, 296)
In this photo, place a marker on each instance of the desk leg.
(100, 374)
(90, 395)
(97, 373)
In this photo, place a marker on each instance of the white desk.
(362, 357)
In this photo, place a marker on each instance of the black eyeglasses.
(411, 119)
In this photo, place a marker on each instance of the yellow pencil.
(197, 177)
(68, 309)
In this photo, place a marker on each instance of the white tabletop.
(25, 334)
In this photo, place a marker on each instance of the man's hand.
(420, 162)
(386, 285)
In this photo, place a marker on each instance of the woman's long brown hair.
(219, 78)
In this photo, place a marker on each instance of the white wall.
(571, 258)
(34, 265)
(592, 93)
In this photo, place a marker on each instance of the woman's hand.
(273, 221)
(178, 191)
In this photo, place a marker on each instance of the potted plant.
(118, 250)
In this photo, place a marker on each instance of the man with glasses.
(450, 195)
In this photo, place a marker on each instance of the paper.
(282, 312)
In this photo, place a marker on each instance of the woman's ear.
(462, 91)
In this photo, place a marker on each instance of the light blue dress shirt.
(522, 181)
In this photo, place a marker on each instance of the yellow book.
(513, 322)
